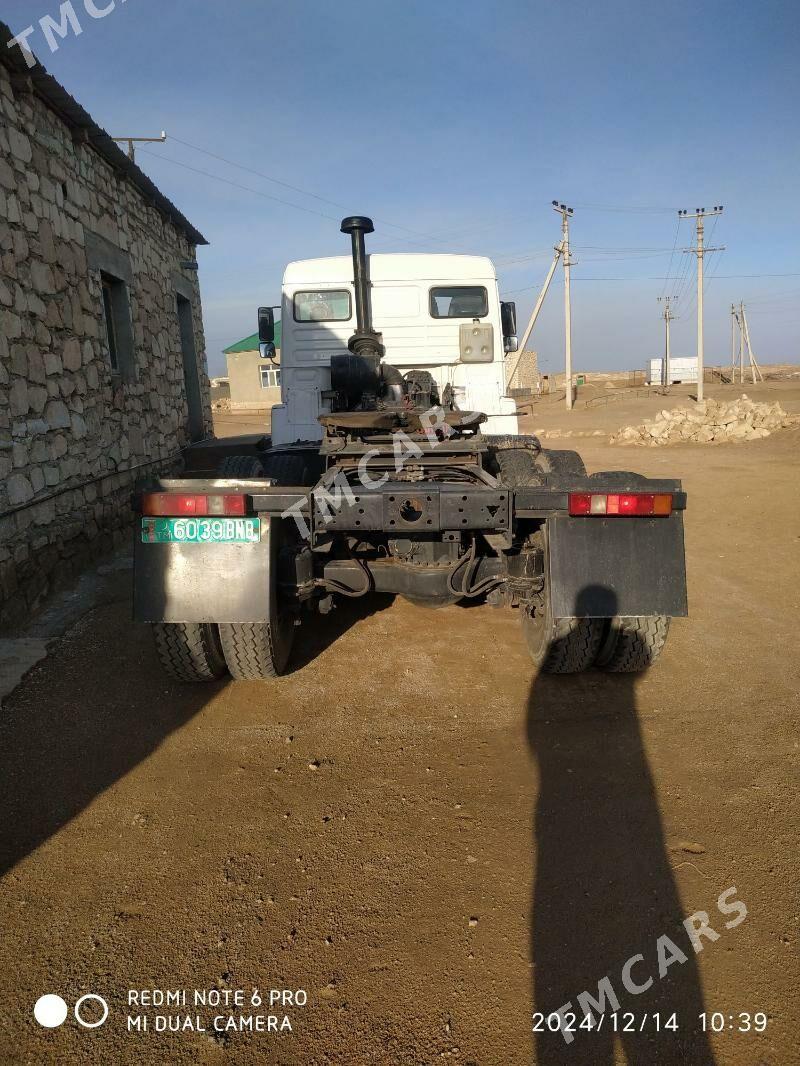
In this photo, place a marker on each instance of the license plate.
(201, 530)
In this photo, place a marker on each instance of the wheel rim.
(535, 624)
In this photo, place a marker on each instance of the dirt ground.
(413, 828)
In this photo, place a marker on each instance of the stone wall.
(74, 435)
(525, 367)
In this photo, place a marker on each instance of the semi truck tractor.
(394, 464)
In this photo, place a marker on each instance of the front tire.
(559, 645)
(189, 651)
(632, 645)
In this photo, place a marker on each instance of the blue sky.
(455, 124)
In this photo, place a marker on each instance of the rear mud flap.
(204, 582)
(602, 567)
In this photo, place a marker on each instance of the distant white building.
(682, 370)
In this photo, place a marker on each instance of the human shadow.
(604, 889)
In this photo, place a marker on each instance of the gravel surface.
(412, 828)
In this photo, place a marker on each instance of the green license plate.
(201, 530)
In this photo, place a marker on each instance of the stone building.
(255, 383)
(525, 372)
(103, 376)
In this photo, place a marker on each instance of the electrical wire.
(682, 275)
(661, 278)
(672, 255)
(236, 185)
(627, 210)
(427, 237)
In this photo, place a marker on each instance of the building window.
(118, 330)
(322, 305)
(270, 378)
(459, 301)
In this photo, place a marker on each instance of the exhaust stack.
(365, 342)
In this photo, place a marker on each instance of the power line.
(257, 173)
(624, 209)
(254, 192)
(683, 276)
(236, 185)
(303, 192)
(660, 277)
(672, 255)
(631, 248)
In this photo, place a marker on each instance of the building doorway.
(194, 401)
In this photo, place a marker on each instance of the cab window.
(322, 305)
(459, 301)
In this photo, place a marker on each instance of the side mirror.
(266, 325)
(508, 318)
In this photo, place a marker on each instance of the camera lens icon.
(50, 1011)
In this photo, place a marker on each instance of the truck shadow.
(319, 632)
(97, 707)
(88, 714)
(604, 887)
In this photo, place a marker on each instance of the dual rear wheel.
(248, 651)
(569, 645)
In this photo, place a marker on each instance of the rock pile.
(707, 422)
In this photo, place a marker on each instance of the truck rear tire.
(557, 461)
(287, 468)
(631, 645)
(241, 466)
(515, 459)
(189, 651)
(559, 645)
(256, 651)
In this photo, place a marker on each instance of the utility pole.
(699, 250)
(565, 213)
(130, 141)
(668, 317)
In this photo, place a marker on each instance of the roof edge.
(86, 130)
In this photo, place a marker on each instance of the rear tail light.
(625, 503)
(190, 505)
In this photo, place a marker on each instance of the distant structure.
(682, 371)
(255, 383)
(525, 375)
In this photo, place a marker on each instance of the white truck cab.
(440, 313)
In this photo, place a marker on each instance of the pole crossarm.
(131, 141)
